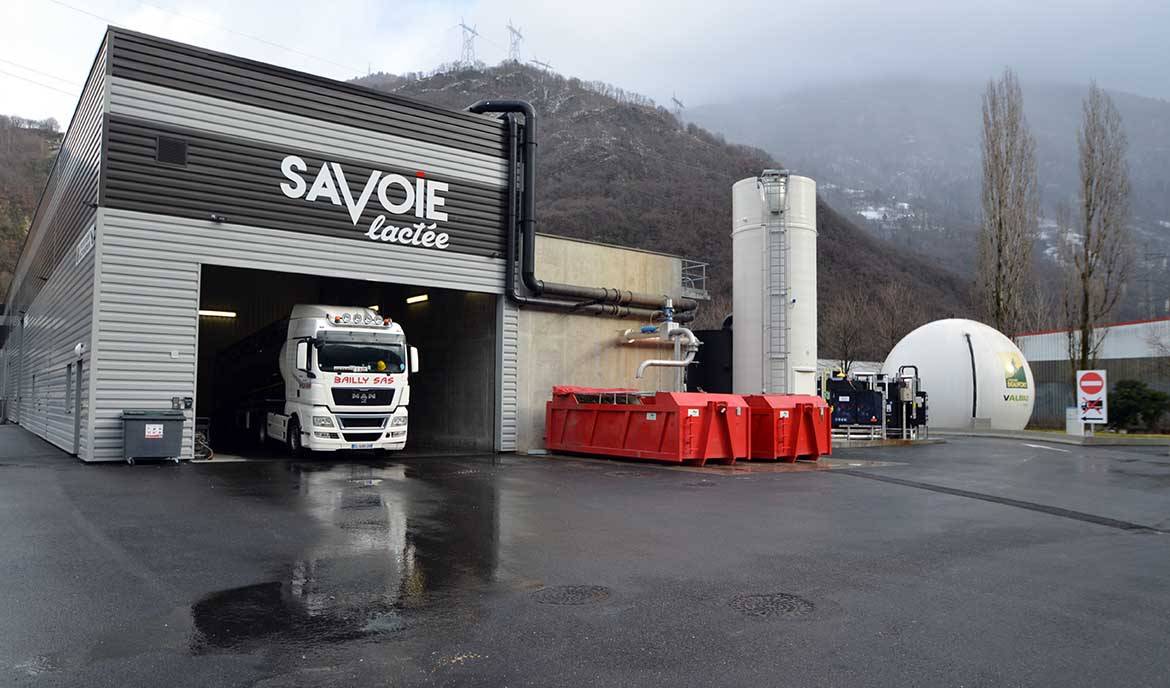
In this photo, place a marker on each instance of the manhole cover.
(779, 604)
(572, 595)
(373, 524)
(366, 482)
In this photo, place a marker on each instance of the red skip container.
(787, 427)
(682, 427)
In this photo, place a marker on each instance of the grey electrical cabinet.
(152, 434)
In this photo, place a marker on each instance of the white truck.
(346, 374)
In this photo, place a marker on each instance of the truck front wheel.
(295, 447)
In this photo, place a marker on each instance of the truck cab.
(346, 373)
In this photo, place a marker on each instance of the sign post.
(1092, 401)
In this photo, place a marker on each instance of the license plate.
(362, 445)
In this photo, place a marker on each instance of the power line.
(37, 71)
(355, 70)
(37, 83)
(221, 27)
(78, 9)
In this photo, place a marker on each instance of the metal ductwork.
(553, 295)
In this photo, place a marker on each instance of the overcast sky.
(705, 51)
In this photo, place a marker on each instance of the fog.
(703, 52)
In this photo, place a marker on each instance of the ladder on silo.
(775, 282)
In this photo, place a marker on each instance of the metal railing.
(694, 275)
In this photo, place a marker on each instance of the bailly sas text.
(420, 195)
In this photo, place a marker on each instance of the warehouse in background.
(198, 196)
(1138, 350)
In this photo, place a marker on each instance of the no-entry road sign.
(1092, 382)
(1091, 397)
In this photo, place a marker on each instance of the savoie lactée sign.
(398, 195)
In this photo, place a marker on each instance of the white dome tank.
(973, 375)
(775, 314)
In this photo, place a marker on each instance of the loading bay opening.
(452, 399)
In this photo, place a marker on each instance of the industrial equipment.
(977, 376)
(774, 246)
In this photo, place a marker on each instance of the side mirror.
(413, 359)
(302, 355)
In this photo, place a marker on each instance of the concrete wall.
(562, 349)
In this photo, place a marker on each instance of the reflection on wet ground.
(398, 540)
(913, 568)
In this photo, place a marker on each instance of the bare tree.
(1098, 249)
(1011, 204)
(895, 311)
(844, 329)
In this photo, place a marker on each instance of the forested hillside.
(27, 149)
(615, 168)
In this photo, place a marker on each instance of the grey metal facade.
(50, 301)
(134, 296)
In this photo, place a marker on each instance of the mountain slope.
(916, 142)
(613, 168)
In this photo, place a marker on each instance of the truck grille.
(362, 396)
(361, 436)
(350, 422)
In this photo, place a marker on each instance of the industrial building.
(1137, 350)
(198, 196)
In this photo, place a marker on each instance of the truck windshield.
(335, 357)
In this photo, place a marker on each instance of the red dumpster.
(682, 427)
(788, 427)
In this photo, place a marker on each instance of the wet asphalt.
(971, 563)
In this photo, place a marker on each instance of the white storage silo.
(973, 374)
(774, 279)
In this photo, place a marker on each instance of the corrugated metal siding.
(58, 320)
(507, 375)
(149, 294)
(65, 208)
(183, 67)
(147, 323)
(1054, 387)
(12, 351)
(241, 179)
(221, 117)
(53, 288)
(1135, 340)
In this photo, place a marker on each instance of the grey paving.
(537, 571)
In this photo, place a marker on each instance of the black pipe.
(589, 296)
(510, 267)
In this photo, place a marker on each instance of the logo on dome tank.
(1014, 374)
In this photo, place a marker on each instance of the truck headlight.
(397, 421)
(322, 421)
